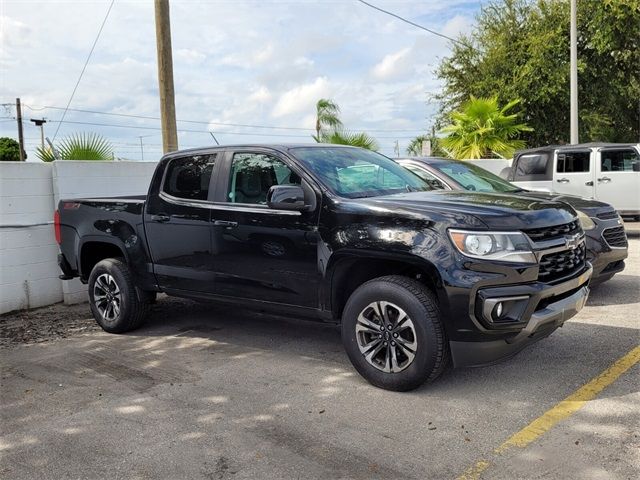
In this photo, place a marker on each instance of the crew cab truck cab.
(417, 278)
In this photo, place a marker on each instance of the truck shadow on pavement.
(210, 391)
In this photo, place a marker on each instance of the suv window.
(535, 164)
(252, 174)
(573, 162)
(618, 160)
(428, 177)
(189, 177)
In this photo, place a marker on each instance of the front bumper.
(547, 308)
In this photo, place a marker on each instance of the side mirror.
(286, 197)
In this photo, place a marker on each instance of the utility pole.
(574, 76)
(165, 77)
(141, 148)
(20, 135)
(40, 123)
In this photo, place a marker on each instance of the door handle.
(589, 184)
(224, 223)
(563, 180)
(160, 218)
(604, 179)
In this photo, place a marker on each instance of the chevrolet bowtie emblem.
(572, 242)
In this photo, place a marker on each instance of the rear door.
(177, 225)
(618, 178)
(574, 173)
(261, 253)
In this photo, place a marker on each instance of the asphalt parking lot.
(210, 392)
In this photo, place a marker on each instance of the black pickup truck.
(417, 278)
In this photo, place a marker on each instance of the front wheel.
(113, 298)
(393, 335)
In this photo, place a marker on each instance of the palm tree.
(414, 149)
(481, 129)
(327, 115)
(355, 139)
(79, 146)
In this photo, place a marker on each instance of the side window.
(619, 160)
(435, 183)
(252, 174)
(189, 177)
(573, 162)
(532, 164)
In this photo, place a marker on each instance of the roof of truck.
(577, 145)
(275, 146)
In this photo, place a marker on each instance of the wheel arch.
(348, 272)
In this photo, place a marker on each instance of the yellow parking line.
(562, 410)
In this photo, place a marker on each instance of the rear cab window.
(189, 177)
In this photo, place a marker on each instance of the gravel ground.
(61, 321)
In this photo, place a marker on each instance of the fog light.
(499, 310)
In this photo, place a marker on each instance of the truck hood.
(590, 207)
(495, 210)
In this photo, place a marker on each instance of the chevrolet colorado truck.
(417, 278)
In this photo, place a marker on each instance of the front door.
(260, 253)
(574, 173)
(177, 225)
(617, 180)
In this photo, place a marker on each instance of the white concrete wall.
(29, 271)
(29, 193)
(494, 165)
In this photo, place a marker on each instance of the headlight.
(585, 222)
(502, 246)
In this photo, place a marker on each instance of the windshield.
(357, 173)
(474, 178)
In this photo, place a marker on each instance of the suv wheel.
(393, 335)
(113, 298)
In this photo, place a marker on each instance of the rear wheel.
(393, 335)
(115, 304)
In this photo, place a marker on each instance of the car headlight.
(585, 222)
(502, 246)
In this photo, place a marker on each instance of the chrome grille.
(615, 237)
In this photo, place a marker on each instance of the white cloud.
(264, 63)
(393, 65)
(301, 98)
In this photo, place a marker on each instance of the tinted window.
(253, 174)
(618, 160)
(534, 164)
(354, 172)
(474, 178)
(189, 177)
(573, 162)
(426, 176)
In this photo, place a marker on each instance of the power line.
(187, 130)
(413, 23)
(84, 67)
(204, 122)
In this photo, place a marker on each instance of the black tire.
(420, 305)
(131, 311)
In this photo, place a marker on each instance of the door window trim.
(577, 150)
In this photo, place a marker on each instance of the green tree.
(327, 117)
(355, 139)
(79, 146)
(9, 150)
(414, 149)
(481, 129)
(520, 49)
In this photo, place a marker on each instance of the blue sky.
(235, 62)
